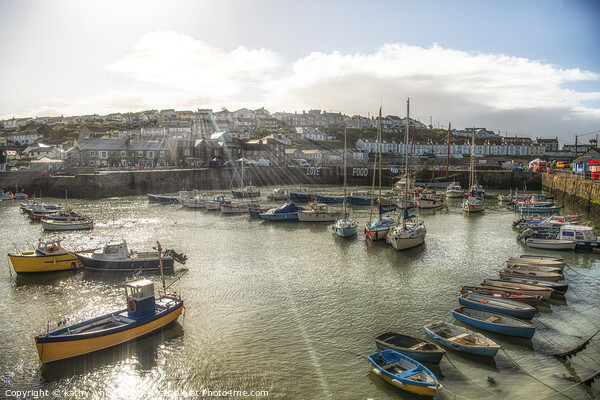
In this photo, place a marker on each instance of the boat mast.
(344, 201)
(472, 172)
(377, 154)
(406, 177)
(162, 274)
(448, 151)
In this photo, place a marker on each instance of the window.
(123, 154)
(162, 154)
(140, 154)
(149, 154)
(103, 154)
(132, 154)
(92, 154)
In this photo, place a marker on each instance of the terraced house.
(118, 153)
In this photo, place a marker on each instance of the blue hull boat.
(329, 199)
(162, 199)
(404, 373)
(494, 322)
(287, 212)
(539, 210)
(461, 339)
(493, 304)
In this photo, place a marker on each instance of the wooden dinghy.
(518, 287)
(560, 288)
(503, 294)
(503, 306)
(494, 322)
(413, 347)
(533, 267)
(461, 339)
(528, 273)
(404, 373)
(555, 262)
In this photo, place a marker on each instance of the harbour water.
(288, 309)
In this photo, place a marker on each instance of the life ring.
(131, 306)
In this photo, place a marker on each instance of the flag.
(394, 170)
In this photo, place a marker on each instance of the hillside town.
(203, 138)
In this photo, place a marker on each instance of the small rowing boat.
(404, 373)
(494, 304)
(413, 347)
(462, 339)
(494, 322)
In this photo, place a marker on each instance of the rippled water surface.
(289, 308)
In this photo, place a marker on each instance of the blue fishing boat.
(494, 322)
(163, 199)
(117, 257)
(286, 212)
(494, 304)
(461, 339)
(413, 347)
(360, 198)
(144, 314)
(300, 195)
(329, 199)
(404, 373)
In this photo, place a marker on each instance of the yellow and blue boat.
(47, 257)
(404, 373)
(144, 314)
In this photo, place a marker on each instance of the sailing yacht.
(345, 226)
(410, 232)
(474, 201)
(379, 228)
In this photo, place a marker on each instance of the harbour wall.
(582, 194)
(102, 184)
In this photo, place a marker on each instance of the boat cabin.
(140, 297)
(583, 234)
(113, 251)
(50, 247)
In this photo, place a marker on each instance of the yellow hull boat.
(48, 257)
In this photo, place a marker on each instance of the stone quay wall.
(583, 194)
(103, 184)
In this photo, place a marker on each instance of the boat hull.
(329, 199)
(417, 387)
(316, 217)
(480, 350)
(55, 348)
(29, 262)
(433, 356)
(161, 199)
(551, 244)
(524, 330)
(279, 217)
(399, 243)
(143, 264)
(526, 313)
(345, 231)
(67, 226)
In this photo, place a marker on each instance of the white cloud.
(166, 69)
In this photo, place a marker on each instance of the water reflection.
(143, 351)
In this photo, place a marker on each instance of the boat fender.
(54, 260)
(131, 306)
(397, 382)
(378, 372)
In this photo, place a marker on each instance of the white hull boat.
(68, 225)
(550, 244)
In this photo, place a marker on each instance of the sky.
(517, 67)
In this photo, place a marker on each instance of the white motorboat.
(70, 224)
(428, 202)
(550, 244)
(279, 194)
(473, 204)
(454, 190)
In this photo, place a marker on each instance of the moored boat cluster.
(503, 306)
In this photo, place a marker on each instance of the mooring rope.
(527, 373)
(466, 376)
(572, 386)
